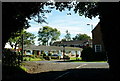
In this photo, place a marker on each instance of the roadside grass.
(74, 58)
(89, 61)
(79, 59)
(32, 59)
(23, 68)
(85, 61)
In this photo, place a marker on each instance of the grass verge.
(23, 68)
(31, 59)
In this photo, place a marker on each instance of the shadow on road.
(83, 74)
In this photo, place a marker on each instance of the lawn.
(74, 58)
(31, 59)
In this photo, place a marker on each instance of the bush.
(27, 58)
(88, 54)
(9, 57)
(100, 56)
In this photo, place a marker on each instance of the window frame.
(98, 48)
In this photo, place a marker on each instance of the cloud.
(33, 29)
(74, 24)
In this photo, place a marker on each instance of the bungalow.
(54, 49)
(73, 43)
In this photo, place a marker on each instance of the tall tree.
(47, 35)
(67, 36)
(20, 13)
(81, 37)
(28, 38)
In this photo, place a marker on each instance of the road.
(62, 71)
(69, 71)
(45, 66)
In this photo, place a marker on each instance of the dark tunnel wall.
(109, 21)
(110, 28)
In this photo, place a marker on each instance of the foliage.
(67, 36)
(63, 39)
(10, 58)
(87, 54)
(28, 38)
(87, 9)
(23, 68)
(32, 59)
(47, 35)
(20, 13)
(74, 58)
(100, 56)
(108, 12)
(81, 37)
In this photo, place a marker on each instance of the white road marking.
(61, 76)
(81, 66)
(68, 72)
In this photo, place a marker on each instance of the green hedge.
(88, 54)
(10, 58)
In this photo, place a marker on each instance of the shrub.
(100, 56)
(88, 54)
(9, 57)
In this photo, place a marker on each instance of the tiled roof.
(49, 48)
(70, 42)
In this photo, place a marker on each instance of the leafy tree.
(63, 39)
(67, 36)
(28, 38)
(47, 35)
(20, 13)
(81, 37)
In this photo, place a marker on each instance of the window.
(98, 48)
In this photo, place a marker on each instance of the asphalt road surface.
(68, 71)
(46, 66)
(63, 71)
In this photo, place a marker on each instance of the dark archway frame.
(109, 21)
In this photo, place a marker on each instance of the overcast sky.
(74, 23)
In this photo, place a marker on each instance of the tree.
(81, 37)
(28, 38)
(63, 39)
(67, 36)
(20, 13)
(47, 35)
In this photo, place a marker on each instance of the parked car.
(66, 57)
(55, 56)
(28, 54)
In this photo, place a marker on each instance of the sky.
(74, 23)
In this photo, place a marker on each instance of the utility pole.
(91, 25)
(64, 52)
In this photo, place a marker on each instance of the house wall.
(97, 37)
